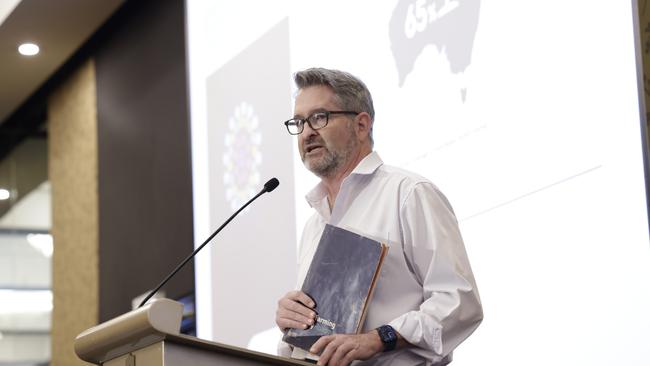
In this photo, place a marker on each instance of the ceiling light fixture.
(28, 49)
(4, 194)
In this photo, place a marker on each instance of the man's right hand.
(295, 310)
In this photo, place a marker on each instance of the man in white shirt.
(426, 301)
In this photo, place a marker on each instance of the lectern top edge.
(130, 331)
(154, 330)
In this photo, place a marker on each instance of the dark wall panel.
(145, 189)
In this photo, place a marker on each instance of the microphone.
(272, 184)
(269, 186)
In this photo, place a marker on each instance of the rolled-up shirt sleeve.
(451, 308)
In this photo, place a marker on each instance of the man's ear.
(364, 125)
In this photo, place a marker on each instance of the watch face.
(388, 337)
(391, 335)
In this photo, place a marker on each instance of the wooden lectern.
(150, 336)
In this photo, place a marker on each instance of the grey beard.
(333, 160)
(326, 166)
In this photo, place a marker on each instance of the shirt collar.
(368, 165)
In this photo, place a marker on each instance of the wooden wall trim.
(73, 171)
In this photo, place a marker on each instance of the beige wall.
(72, 118)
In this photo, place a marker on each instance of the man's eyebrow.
(315, 110)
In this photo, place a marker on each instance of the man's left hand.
(342, 349)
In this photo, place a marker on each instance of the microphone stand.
(268, 187)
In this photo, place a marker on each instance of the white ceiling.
(59, 27)
(6, 7)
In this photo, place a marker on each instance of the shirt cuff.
(412, 325)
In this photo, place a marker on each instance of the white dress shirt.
(426, 289)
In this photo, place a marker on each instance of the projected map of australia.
(449, 25)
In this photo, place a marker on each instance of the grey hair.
(350, 92)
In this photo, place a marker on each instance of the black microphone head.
(272, 184)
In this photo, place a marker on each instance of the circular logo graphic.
(242, 157)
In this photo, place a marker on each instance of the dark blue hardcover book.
(340, 280)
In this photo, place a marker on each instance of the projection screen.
(524, 113)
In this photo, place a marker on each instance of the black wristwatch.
(388, 337)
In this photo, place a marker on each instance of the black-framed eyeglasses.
(316, 121)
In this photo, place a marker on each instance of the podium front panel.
(152, 355)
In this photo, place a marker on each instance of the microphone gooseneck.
(269, 186)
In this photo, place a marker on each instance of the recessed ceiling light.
(28, 49)
(4, 194)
